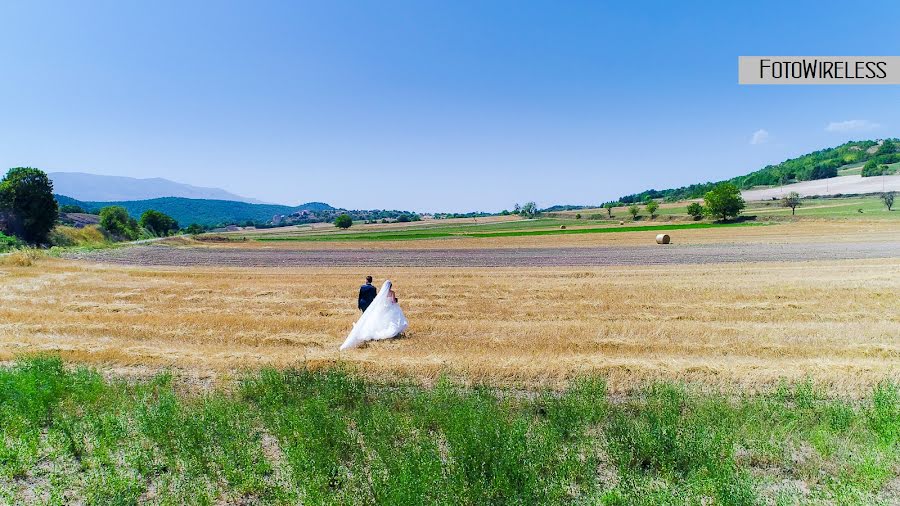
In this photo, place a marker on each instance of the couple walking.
(381, 317)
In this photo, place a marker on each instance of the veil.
(383, 319)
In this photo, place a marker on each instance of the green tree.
(609, 207)
(887, 147)
(157, 223)
(529, 210)
(652, 206)
(888, 199)
(194, 229)
(345, 221)
(26, 198)
(116, 221)
(724, 201)
(791, 200)
(71, 208)
(634, 211)
(695, 210)
(403, 218)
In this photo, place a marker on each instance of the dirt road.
(157, 255)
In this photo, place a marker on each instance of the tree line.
(29, 213)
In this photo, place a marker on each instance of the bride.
(383, 319)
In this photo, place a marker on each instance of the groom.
(367, 294)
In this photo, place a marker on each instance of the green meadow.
(329, 437)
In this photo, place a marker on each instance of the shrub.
(403, 218)
(578, 216)
(90, 235)
(71, 208)
(116, 221)
(157, 223)
(652, 206)
(194, 229)
(343, 221)
(8, 243)
(22, 257)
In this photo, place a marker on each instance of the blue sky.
(426, 105)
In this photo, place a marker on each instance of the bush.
(872, 168)
(22, 257)
(90, 235)
(116, 221)
(157, 223)
(403, 218)
(71, 208)
(343, 221)
(194, 229)
(8, 243)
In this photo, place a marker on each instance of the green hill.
(201, 211)
(816, 165)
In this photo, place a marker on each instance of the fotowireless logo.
(819, 70)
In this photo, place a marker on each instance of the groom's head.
(369, 279)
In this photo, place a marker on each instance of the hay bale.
(663, 239)
(621, 222)
(562, 227)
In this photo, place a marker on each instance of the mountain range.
(97, 188)
(205, 212)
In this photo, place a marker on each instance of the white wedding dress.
(383, 319)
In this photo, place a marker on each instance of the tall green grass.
(329, 437)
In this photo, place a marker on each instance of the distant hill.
(820, 164)
(206, 212)
(93, 187)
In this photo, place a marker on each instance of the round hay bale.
(621, 222)
(562, 227)
(663, 239)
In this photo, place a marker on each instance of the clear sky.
(428, 105)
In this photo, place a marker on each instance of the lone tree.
(116, 221)
(651, 206)
(634, 211)
(724, 201)
(26, 198)
(791, 200)
(888, 199)
(343, 221)
(695, 210)
(157, 223)
(609, 207)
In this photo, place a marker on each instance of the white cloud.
(760, 136)
(851, 125)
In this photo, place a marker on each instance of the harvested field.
(750, 325)
(157, 255)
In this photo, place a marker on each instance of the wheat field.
(746, 325)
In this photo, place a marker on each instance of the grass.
(818, 208)
(329, 437)
(402, 235)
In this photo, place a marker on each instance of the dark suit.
(367, 294)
